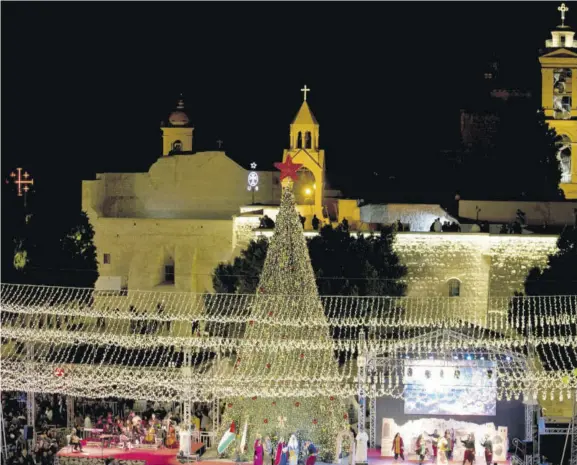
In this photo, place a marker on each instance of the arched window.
(564, 157)
(177, 146)
(454, 287)
(300, 140)
(308, 140)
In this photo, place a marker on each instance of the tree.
(344, 264)
(559, 277)
(79, 254)
(521, 163)
(45, 254)
(242, 275)
(289, 371)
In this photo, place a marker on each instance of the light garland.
(276, 344)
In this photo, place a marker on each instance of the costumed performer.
(421, 448)
(398, 447)
(312, 452)
(361, 450)
(442, 451)
(258, 450)
(450, 437)
(75, 441)
(267, 449)
(488, 445)
(293, 450)
(435, 437)
(469, 444)
(281, 457)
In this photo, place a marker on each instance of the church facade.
(559, 91)
(167, 229)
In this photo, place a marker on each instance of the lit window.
(454, 287)
(106, 259)
(169, 274)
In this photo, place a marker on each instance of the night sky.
(85, 85)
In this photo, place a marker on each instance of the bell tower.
(559, 98)
(177, 135)
(304, 149)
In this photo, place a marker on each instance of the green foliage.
(243, 274)
(344, 264)
(559, 277)
(79, 253)
(522, 163)
(43, 254)
(311, 419)
(356, 265)
(289, 377)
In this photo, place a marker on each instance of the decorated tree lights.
(288, 275)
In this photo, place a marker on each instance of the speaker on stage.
(28, 433)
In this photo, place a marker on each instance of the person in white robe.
(361, 452)
(293, 450)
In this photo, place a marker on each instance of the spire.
(305, 115)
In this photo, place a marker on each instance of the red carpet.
(150, 456)
(168, 456)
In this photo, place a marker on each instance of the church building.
(168, 228)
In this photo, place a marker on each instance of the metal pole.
(361, 380)
(573, 458)
(69, 411)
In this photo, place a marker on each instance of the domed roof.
(178, 117)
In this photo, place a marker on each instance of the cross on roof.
(305, 89)
(563, 9)
(219, 142)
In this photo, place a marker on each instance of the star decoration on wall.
(253, 166)
(288, 169)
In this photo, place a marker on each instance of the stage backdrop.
(508, 413)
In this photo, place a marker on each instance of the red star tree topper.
(288, 169)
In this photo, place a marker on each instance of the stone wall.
(485, 265)
(140, 248)
(205, 185)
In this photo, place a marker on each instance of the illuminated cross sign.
(252, 178)
(21, 180)
(563, 9)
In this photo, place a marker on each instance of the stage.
(94, 455)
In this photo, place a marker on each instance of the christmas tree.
(295, 370)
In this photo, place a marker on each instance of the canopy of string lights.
(166, 346)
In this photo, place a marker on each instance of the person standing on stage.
(469, 444)
(281, 457)
(488, 445)
(312, 452)
(258, 450)
(421, 448)
(398, 447)
(435, 437)
(450, 445)
(293, 450)
(442, 444)
(267, 449)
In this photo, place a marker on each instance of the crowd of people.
(92, 420)
(443, 447)
(445, 226)
(285, 453)
(21, 451)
